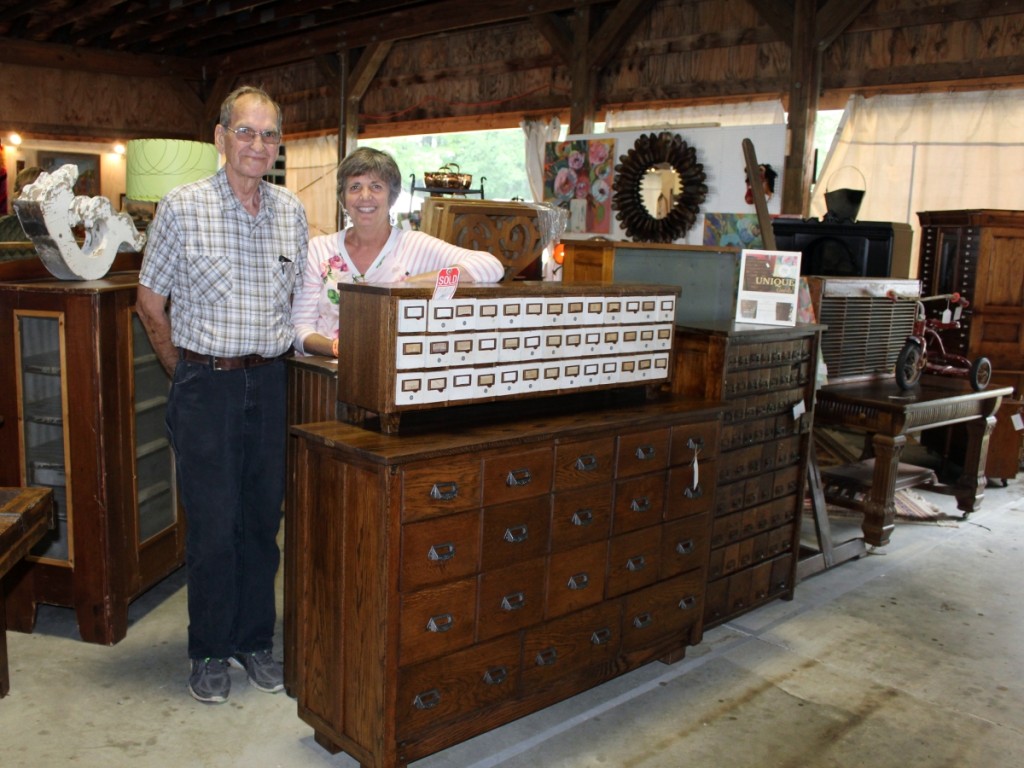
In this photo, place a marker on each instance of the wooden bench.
(26, 514)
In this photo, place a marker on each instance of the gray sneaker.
(264, 673)
(209, 681)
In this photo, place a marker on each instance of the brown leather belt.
(229, 363)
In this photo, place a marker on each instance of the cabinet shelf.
(46, 410)
(46, 363)
(150, 404)
(443, 191)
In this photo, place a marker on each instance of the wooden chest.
(491, 342)
(767, 377)
(448, 582)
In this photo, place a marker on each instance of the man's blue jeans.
(228, 432)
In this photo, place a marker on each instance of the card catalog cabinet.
(445, 583)
(766, 378)
(83, 399)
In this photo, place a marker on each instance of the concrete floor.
(908, 657)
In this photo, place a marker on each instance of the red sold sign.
(447, 282)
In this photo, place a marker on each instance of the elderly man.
(214, 296)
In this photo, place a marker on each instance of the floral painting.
(578, 177)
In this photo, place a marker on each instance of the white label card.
(1017, 421)
(799, 409)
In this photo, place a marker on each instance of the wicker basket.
(448, 177)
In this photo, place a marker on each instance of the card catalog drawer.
(517, 475)
(584, 462)
(437, 620)
(440, 549)
(514, 532)
(642, 452)
(671, 608)
(576, 578)
(581, 516)
(580, 640)
(511, 598)
(633, 560)
(429, 490)
(639, 502)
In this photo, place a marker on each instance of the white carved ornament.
(48, 210)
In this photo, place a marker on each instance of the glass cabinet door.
(154, 465)
(43, 417)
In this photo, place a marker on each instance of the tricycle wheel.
(981, 373)
(908, 365)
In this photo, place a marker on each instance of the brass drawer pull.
(579, 581)
(440, 623)
(695, 443)
(643, 504)
(693, 493)
(687, 603)
(516, 534)
(547, 657)
(586, 463)
(582, 517)
(601, 636)
(685, 547)
(643, 620)
(444, 491)
(518, 477)
(513, 602)
(637, 563)
(441, 552)
(427, 699)
(496, 675)
(645, 452)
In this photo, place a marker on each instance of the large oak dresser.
(449, 580)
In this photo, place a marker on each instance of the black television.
(847, 249)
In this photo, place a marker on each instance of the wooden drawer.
(639, 502)
(514, 475)
(440, 549)
(640, 452)
(633, 560)
(684, 497)
(511, 598)
(584, 462)
(689, 438)
(515, 532)
(576, 578)
(663, 610)
(440, 690)
(431, 488)
(584, 639)
(437, 620)
(581, 516)
(684, 545)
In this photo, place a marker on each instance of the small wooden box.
(401, 350)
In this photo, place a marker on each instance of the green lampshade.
(156, 166)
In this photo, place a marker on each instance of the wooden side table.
(25, 516)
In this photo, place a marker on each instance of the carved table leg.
(970, 488)
(880, 505)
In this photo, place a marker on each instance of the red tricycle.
(924, 352)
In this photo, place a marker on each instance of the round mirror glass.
(659, 189)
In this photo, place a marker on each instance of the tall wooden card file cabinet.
(766, 377)
(980, 253)
(83, 399)
(450, 581)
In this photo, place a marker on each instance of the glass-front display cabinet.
(82, 407)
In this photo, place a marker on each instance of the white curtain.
(748, 113)
(538, 133)
(310, 167)
(928, 152)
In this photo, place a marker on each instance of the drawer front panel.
(437, 691)
(641, 452)
(437, 620)
(576, 578)
(584, 462)
(688, 439)
(669, 608)
(584, 639)
(684, 545)
(511, 598)
(440, 549)
(581, 516)
(633, 560)
(639, 502)
(517, 475)
(685, 496)
(515, 532)
(432, 488)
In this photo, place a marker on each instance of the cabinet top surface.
(112, 282)
(462, 435)
(518, 288)
(885, 393)
(732, 328)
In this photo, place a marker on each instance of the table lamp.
(156, 166)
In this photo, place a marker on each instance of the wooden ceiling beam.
(615, 29)
(56, 56)
(833, 18)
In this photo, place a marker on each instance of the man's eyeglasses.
(248, 135)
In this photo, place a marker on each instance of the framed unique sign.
(88, 183)
(769, 287)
